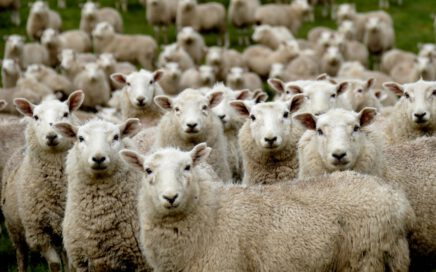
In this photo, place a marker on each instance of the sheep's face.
(15, 43)
(207, 75)
(172, 70)
(39, 8)
(321, 96)
(346, 12)
(187, 36)
(10, 67)
(67, 57)
(192, 110)
(42, 117)
(49, 37)
(427, 50)
(418, 100)
(260, 32)
(140, 87)
(373, 25)
(107, 62)
(94, 72)
(348, 29)
(340, 135)
(170, 184)
(425, 68)
(89, 10)
(333, 57)
(359, 92)
(235, 77)
(305, 9)
(214, 56)
(103, 30)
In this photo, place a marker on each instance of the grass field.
(412, 25)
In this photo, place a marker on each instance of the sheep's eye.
(359, 90)
(151, 82)
(253, 118)
(320, 132)
(204, 107)
(36, 117)
(356, 128)
(116, 137)
(128, 83)
(434, 92)
(288, 92)
(176, 109)
(187, 167)
(333, 95)
(81, 139)
(407, 95)
(148, 171)
(286, 114)
(66, 114)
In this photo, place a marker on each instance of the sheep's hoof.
(54, 267)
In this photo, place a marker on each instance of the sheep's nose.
(98, 159)
(339, 155)
(170, 198)
(420, 115)
(192, 125)
(140, 100)
(222, 116)
(270, 140)
(51, 137)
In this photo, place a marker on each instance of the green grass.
(412, 25)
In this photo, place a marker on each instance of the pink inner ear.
(24, 106)
(119, 78)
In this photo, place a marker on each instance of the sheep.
(421, 67)
(360, 94)
(139, 90)
(170, 81)
(133, 48)
(91, 15)
(160, 14)
(259, 58)
(25, 53)
(379, 36)
(317, 32)
(11, 72)
(241, 16)
(189, 121)
(347, 28)
(239, 79)
(40, 18)
(203, 17)
(175, 53)
(100, 228)
(32, 89)
(268, 140)
(70, 65)
(286, 90)
(414, 115)
(278, 71)
(271, 36)
(110, 66)
(304, 66)
(14, 6)
(187, 221)
(49, 77)
(92, 80)
(427, 50)
(355, 51)
(331, 61)
(203, 76)
(394, 57)
(193, 43)
(223, 60)
(34, 192)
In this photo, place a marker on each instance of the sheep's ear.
(259, 96)
(277, 85)
(296, 102)
(119, 78)
(164, 102)
(295, 89)
(380, 95)
(308, 120)
(370, 83)
(133, 159)
(242, 94)
(200, 153)
(367, 116)
(130, 127)
(323, 76)
(215, 98)
(24, 106)
(3, 104)
(394, 87)
(75, 100)
(241, 107)
(66, 129)
(157, 75)
(341, 88)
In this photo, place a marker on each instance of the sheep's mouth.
(99, 167)
(191, 131)
(171, 206)
(421, 121)
(52, 143)
(341, 163)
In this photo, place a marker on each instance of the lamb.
(189, 120)
(193, 43)
(239, 79)
(271, 36)
(175, 53)
(25, 53)
(110, 66)
(40, 18)
(92, 80)
(202, 17)
(379, 36)
(139, 90)
(133, 48)
(34, 192)
(223, 60)
(49, 77)
(204, 76)
(100, 227)
(160, 14)
(91, 15)
(14, 6)
(170, 81)
(360, 94)
(241, 16)
(11, 72)
(414, 115)
(210, 222)
(268, 140)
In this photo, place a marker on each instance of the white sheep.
(160, 14)
(175, 53)
(268, 140)
(241, 16)
(133, 48)
(49, 77)
(271, 36)
(420, 68)
(139, 90)
(14, 6)
(188, 221)
(331, 61)
(70, 65)
(11, 72)
(360, 94)
(347, 28)
(394, 57)
(379, 36)
(25, 53)
(203, 76)
(91, 15)
(100, 227)
(34, 192)
(239, 79)
(414, 114)
(193, 43)
(170, 81)
(40, 18)
(189, 120)
(92, 80)
(203, 17)
(110, 66)
(304, 66)
(223, 60)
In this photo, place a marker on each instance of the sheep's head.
(271, 122)
(192, 111)
(427, 50)
(214, 56)
(94, 72)
(186, 36)
(425, 68)
(207, 75)
(260, 32)
(227, 114)
(236, 76)
(50, 37)
(333, 57)
(359, 92)
(141, 87)
(42, 117)
(305, 8)
(98, 143)
(106, 61)
(15, 43)
(170, 184)
(348, 29)
(89, 10)
(373, 25)
(340, 135)
(103, 30)
(346, 12)
(172, 70)
(67, 58)
(10, 67)
(39, 8)
(418, 101)
(188, 5)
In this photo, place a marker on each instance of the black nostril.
(339, 156)
(171, 199)
(98, 159)
(222, 117)
(420, 115)
(193, 125)
(51, 137)
(271, 140)
(51, 124)
(141, 99)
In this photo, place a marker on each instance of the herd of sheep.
(183, 165)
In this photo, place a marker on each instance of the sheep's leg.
(15, 17)
(61, 4)
(22, 252)
(247, 36)
(53, 259)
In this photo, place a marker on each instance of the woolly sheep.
(394, 57)
(223, 60)
(203, 76)
(25, 53)
(170, 81)
(110, 66)
(70, 66)
(100, 227)
(202, 17)
(92, 80)
(286, 90)
(379, 36)
(420, 68)
(360, 94)
(133, 48)
(271, 36)
(34, 193)
(241, 16)
(139, 90)
(209, 222)
(239, 79)
(160, 14)
(11, 72)
(193, 43)
(91, 15)
(304, 66)
(414, 114)
(14, 6)
(40, 18)
(175, 53)
(32, 89)
(268, 140)
(347, 28)
(331, 61)
(49, 77)
(189, 120)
